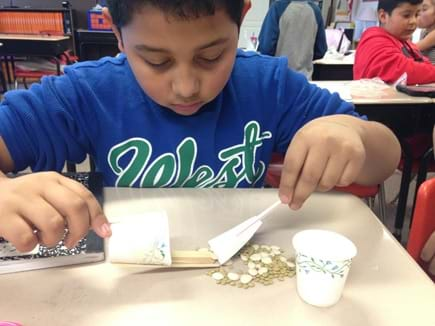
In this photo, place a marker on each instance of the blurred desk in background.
(26, 45)
(333, 69)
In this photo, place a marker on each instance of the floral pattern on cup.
(333, 268)
(156, 254)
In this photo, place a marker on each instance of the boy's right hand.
(36, 208)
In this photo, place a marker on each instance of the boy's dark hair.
(122, 10)
(390, 5)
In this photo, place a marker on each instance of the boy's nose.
(185, 84)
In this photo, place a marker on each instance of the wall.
(252, 22)
(80, 7)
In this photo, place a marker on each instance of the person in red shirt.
(387, 51)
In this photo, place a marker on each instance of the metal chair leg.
(371, 202)
(382, 203)
(404, 189)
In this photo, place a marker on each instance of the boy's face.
(426, 18)
(180, 64)
(402, 22)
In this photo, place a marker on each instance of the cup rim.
(304, 242)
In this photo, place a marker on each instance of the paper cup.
(141, 240)
(323, 260)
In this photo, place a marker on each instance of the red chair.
(59, 61)
(273, 178)
(423, 223)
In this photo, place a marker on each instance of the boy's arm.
(35, 208)
(337, 150)
(427, 42)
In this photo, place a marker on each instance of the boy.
(179, 108)
(295, 29)
(387, 51)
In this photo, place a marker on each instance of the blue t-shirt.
(98, 108)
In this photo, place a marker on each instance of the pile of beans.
(262, 264)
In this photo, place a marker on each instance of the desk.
(333, 69)
(32, 46)
(385, 286)
(404, 114)
(386, 97)
(399, 111)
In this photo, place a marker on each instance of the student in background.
(294, 29)
(180, 107)
(387, 52)
(426, 21)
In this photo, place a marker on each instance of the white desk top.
(385, 286)
(354, 91)
(346, 61)
(30, 37)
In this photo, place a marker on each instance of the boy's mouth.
(187, 108)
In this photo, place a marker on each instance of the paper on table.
(343, 90)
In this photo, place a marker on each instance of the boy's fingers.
(352, 169)
(97, 219)
(74, 210)
(293, 163)
(309, 179)
(46, 219)
(332, 173)
(20, 234)
(429, 249)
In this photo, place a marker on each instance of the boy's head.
(399, 17)
(181, 51)
(426, 18)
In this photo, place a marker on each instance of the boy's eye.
(209, 59)
(161, 64)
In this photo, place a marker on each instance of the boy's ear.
(115, 28)
(382, 16)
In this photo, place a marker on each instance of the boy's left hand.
(428, 253)
(322, 154)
